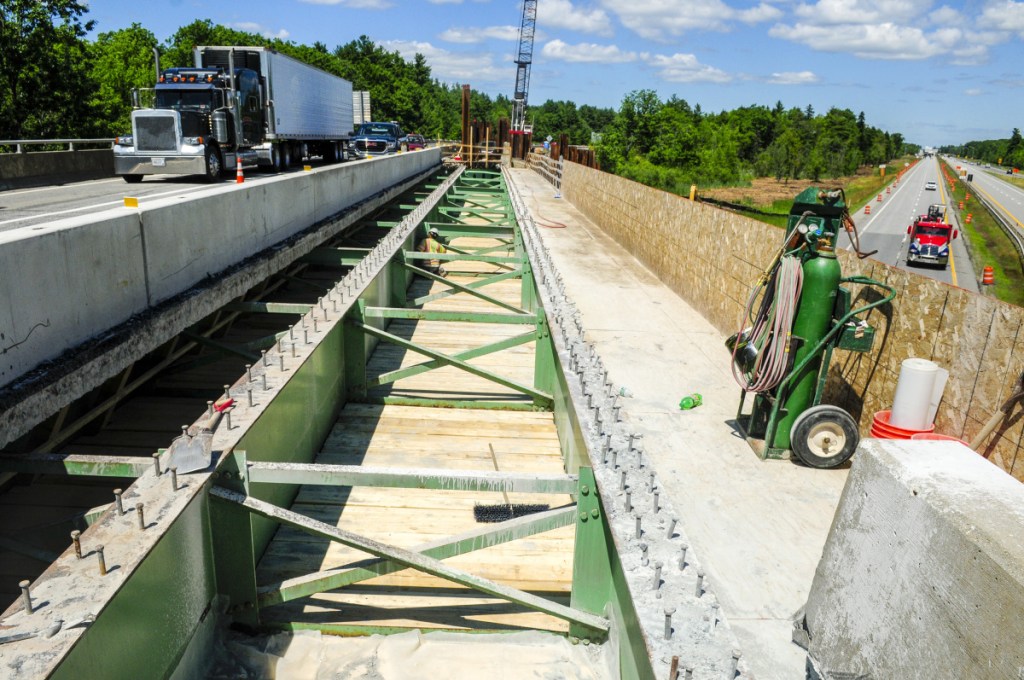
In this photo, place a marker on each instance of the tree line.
(1009, 152)
(56, 82)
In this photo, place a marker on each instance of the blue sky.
(938, 73)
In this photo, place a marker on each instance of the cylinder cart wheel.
(824, 436)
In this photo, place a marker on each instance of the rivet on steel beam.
(699, 588)
(671, 532)
(156, 464)
(139, 514)
(656, 583)
(669, 611)
(77, 542)
(174, 479)
(26, 596)
(100, 561)
(117, 502)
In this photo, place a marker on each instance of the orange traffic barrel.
(879, 198)
(888, 190)
(968, 218)
(867, 209)
(988, 277)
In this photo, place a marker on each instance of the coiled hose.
(771, 329)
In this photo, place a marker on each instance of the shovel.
(190, 454)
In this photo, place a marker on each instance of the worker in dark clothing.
(432, 244)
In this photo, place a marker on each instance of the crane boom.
(523, 61)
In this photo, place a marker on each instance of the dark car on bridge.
(376, 139)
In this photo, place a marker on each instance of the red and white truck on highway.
(931, 237)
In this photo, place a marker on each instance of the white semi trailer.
(248, 103)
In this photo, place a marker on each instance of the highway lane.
(885, 229)
(990, 183)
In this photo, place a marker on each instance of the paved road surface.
(885, 229)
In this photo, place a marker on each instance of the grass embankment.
(860, 189)
(986, 241)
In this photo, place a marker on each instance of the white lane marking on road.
(19, 192)
(98, 205)
(874, 214)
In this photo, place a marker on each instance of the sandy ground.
(758, 527)
(308, 655)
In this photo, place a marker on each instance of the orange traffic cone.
(987, 277)
(239, 177)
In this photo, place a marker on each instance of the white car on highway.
(930, 186)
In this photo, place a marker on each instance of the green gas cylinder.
(813, 320)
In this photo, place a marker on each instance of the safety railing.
(20, 144)
(548, 168)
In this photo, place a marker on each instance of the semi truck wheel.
(286, 157)
(132, 179)
(276, 163)
(213, 165)
(824, 436)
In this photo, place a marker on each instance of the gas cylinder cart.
(782, 353)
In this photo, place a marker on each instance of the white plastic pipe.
(914, 394)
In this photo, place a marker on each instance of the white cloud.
(1005, 15)
(973, 92)
(253, 27)
(879, 41)
(794, 78)
(685, 68)
(586, 53)
(564, 14)
(469, 36)
(447, 66)
(353, 4)
(661, 19)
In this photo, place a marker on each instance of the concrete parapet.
(71, 280)
(20, 169)
(922, 575)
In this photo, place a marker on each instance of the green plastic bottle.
(691, 401)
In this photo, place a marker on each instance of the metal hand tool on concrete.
(189, 454)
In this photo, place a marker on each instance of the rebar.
(141, 517)
(77, 542)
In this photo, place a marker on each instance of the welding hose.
(771, 329)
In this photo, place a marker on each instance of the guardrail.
(1011, 230)
(19, 144)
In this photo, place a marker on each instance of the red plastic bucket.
(938, 437)
(881, 429)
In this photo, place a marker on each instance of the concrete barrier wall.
(66, 282)
(20, 168)
(922, 575)
(711, 258)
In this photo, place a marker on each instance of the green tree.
(43, 68)
(121, 60)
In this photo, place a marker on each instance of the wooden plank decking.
(412, 436)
